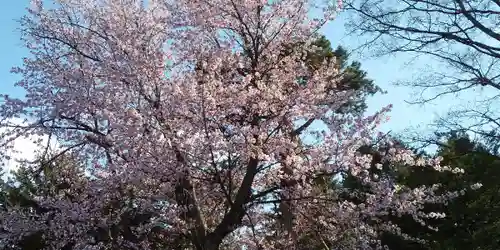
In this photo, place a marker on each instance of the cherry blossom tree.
(190, 120)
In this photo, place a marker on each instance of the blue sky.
(11, 50)
(384, 71)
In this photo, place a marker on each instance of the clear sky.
(383, 71)
(11, 50)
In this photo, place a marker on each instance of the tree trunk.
(210, 245)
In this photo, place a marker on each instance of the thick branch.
(237, 211)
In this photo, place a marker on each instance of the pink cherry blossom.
(187, 111)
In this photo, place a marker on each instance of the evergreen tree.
(471, 220)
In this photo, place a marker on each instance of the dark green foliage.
(352, 77)
(472, 220)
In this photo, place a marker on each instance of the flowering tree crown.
(192, 120)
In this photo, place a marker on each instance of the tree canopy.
(183, 125)
(186, 119)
